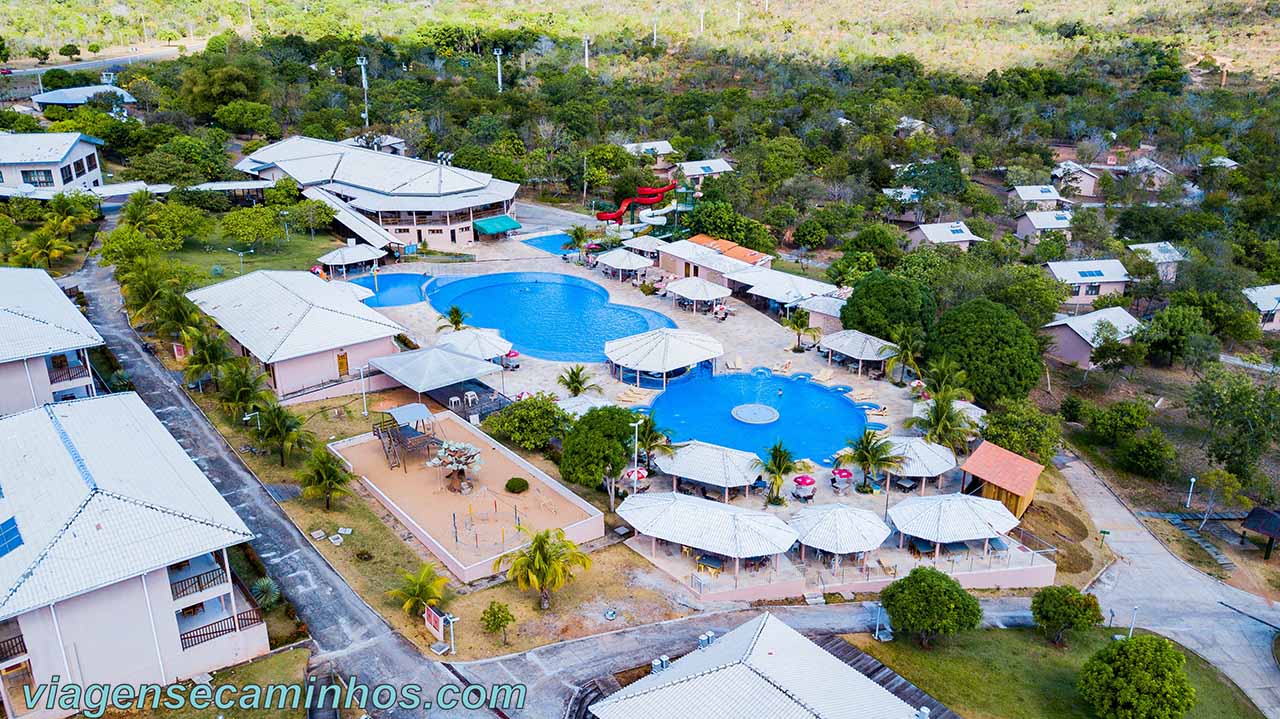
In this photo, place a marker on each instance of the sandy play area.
(468, 531)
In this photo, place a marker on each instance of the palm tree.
(142, 212)
(908, 343)
(873, 454)
(177, 317)
(578, 240)
(209, 355)
(427, 588)
(653, 440)
(577, 380)
(944, 424)
(776, 467)
(798, 322)
(41, 248)
(324, 476)
(64, 213)
(244, 387)
(142, 282)
(545, 564)
(453, 319)
(284, 428)
(944, 377)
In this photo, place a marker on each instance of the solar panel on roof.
(1046, 190)
(957, 231)
(1061, 218)
(706, 168)
(1090, 273)
(10, 537)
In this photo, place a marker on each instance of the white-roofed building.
(308, 335)
(763, 668)
(113, 554)
(777, 286)
(1075, 178)
(1036, 197)
(696, 171)
(77, 96)
(351, 257)
(419, 203)
(1090, 279)
(689, 259)
(824, 312)
(44, 342)
(1074, 338)
(657, 151)
(944, 234)
(389, 144)
(1164, 256)
(715, 527)
(1266, 300)
(1031, 226)
(711, 465)
(45, 163)
(908, 126)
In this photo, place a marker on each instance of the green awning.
(495, 225)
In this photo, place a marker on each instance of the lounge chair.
(824, 376)
(782, 367)
(733, 364)
(861, 395)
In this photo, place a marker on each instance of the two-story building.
(1090, 279)
(113, 555)
(51, 162)
(44, 342)
(698, 171)
(311, 338)
(657, 151)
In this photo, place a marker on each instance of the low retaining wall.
(376, 383)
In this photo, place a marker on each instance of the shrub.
(1059, 610)
(647, 289)
(1073, 408)
(1147, 454)
(265, 592)
(930, 604)
(516, 485)
(1120, 420)
(529, 424)
(1140, 678)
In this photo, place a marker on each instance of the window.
(1, 177)
(1093, 290)
(1075, 290)
(402, 230)
(91, 161)
(79, 165)
(67, 176)
(1268, 317)
(10, 537)
(39, 178)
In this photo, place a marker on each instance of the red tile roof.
(996, 465)
(729, 248)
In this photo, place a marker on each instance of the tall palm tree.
(780, 463)
(41, 248)
(943, 377)
(142, 212)
(427, 588)
(324, 476)
(798, 322)
(209, 355)
(908, 343)
(285, 429)
(73, 210)
(944, 424)
(545, 565)
(177, 317)
(244, 387)
(653, 440)
(578, 240)
(576, 380)
(873, 454)
(454, 319)
(142, 282)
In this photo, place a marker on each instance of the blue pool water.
(814, 420)
(394, 289)
(545, 315)
(551, 243)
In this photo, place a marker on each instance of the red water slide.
(645, 196)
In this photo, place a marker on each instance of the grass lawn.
(1036, 679)
(813, 273)
(283, 668)
(81, 239)
(299, 253)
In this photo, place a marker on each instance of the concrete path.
(1177, 600)
(554, 672)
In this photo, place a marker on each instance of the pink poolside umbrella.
(804, 480)
(513, 354)
(635, 474)
(841, 473)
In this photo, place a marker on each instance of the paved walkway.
(1177, 600)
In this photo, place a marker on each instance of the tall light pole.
(702, 20)
(363, 62)
(635, 454)
(497, 53)
(655, 30)
(1191, 489)
(738, 6)
(241, 253)
(586, 51)
(1132, 621)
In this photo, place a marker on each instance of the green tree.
(208, 355)
(531, 423)
(94, 48)
(124, 245)
(284, 193)
(545, 564)
(1030, 292)
(324, 475)
(1225, 487)
(908, 348)
(427, 588)
(1112, 353)
(1147, 454)
(797, 321)
(872, 454)
(312, 215)
(453, 319)
(1062, 609)
(1241, 418)
(70, 51)
(945, 378)
(496, 618)
(40, 53)
(175, 223)
(577, 380)
(1119, 420)
(141, 212)
(245, 117)
(880, 239)
(810, 235)
(249, 226)
(244, 387)
(1139, 678)
(579, 239)
(880, 302)
(285, 429)
(175, 317)
(779, 463)
(41, 248)
(1168, 334)
(653, 440)
(998, 353)
(597, 447)
(930, 604)
(1019, 426)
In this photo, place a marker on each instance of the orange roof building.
(1006, 476)
(732, 249)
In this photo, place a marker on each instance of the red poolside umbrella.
(804, 480)
(513, 354)
(841, 473)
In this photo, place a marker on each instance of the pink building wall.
(826, 323)
(676, 266)
(1068, 347)
(1104, 289)
(17, 393)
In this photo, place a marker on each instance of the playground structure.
(647, 217)
(409, 430)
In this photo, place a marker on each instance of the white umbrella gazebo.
(976, 414)
(623, 260)
(856, 345)
(661, 351)
(710, 464)
(696, 289)
(946, 518)
(483, 343)
(922, 459)
(839, 529)
(708, 526)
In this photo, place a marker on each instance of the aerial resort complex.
(616, 361)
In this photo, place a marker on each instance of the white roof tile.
(951, 517)
(79, 95)
(662, 350)
(710, 526)
(1087, 325)
(823, 305)
(858, 345)
(698, 168)
(780, 286)
(1050, 219)
(840, 528)
(652, 147)
(1159, 252)
(1266, 298)
(943, 233)
(350, 255)
(922, 457)
(1084, 272)
(1036, 193)
(37, 319)
(710, 464)
(30, 148)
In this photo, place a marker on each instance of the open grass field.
(299, 253)
(1037, 680)
(288, 667)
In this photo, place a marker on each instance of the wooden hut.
(1006, 476)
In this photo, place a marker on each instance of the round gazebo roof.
(951, 517)
(839, 528)
(662, 350)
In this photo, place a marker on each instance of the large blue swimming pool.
(551, 243)
(545, 315)
(813, 420)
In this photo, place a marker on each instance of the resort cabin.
(1222, 163)
(50, 162)
(44, 343)
(391, 202)
(824, 312)
(1266, 300)
(73, 97)
(1036, 197)
(908, 126)
(942, 234)
(1031, 226)
(657, 151)
(762, 668)
(1164, 256)
(1076, 179)
(311, 338)
(1006, 477)
(1075, 338)
(698, 170)
(389, 144)
(1090, 279)
(733, 250)
(113, 550)
(1154, 175)
(905, 206)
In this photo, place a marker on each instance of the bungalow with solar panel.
(1266, 300)
(113, 555)
(1032, 225)
(942, 234)
(1090, 279)
(695, 171)
(1036, 197)
(1164, 256)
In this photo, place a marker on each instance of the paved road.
(347, 631)
(1177, 600)
(106, 62)
(553, 672)
(536, 217)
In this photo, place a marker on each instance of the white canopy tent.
(696, 289)
(976, 414)
(624, 260)
(644, 243)
(662, 350)
(923, 459)
(708, 526)
(710, 464)
(856, 345)
(351, 254)
(945, 518)
(839, 529)
(483, 343)
(432, 368)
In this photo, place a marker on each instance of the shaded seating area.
(411, 429)
(695, 293)
(923, 461)
(976, 414)
(1006, 477)
(1265, 522)
(622, 262)
(720, 469)
(840, 530)
(927, 525)
(448, 377)
(350, 259)
(659, 354)
(482, 344)
(856, 349)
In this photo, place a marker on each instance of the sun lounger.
(782, 367)
(860, 395)
(824, 376)
(732, 364)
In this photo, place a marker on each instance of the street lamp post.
(241, 254)
(497, 53)
(1132, 621)
(364, 393)
(635, 453)
(363, 62)
(1190, 489)
(257, 416)
(284, 215)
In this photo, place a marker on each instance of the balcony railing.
(198, 583)
(249, 618)
(12, 647)
(68, 373)
(208, 632)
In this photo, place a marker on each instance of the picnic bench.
(713, 565)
